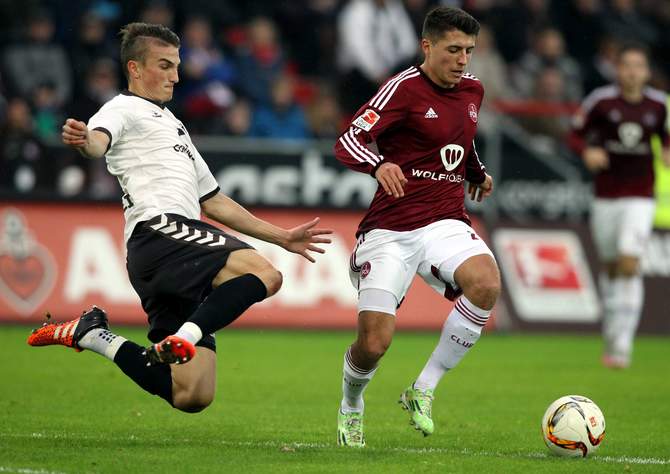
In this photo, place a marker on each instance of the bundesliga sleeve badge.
(367, 120)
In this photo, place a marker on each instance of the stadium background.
(265, 89)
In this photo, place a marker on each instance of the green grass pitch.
(277, 400)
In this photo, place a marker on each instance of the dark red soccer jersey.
(624, 130)
(429, 132)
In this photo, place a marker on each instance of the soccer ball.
(573, 426)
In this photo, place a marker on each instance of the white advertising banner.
(547, 275)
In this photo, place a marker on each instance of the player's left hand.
(480, 191)
(302, 238)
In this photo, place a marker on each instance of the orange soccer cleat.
(68, 333)
(171, 350)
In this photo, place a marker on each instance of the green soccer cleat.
(350, 429)
(419, 404)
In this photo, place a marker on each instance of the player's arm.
(90, 143)
(665, 136)
(480, 184)
(351, 148)
(480, 191)
(300, 239)
(595, 158)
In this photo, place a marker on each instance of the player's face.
(447, 58)
(157, 74)
(633, 70)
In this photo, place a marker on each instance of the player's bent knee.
(484, 292)
(628, 267)
(374, 347)
(272, 279)
(193, 403)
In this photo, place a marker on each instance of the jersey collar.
(440, 89)
(128, 93)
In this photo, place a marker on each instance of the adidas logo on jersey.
(431, 113)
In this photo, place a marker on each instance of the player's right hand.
(75, 133)
(392, 179)
(595, 159)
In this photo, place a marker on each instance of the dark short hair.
(442, 19)
(633, 46)
(135, 38)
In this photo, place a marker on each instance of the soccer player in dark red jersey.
(423, 122)
(612, 133)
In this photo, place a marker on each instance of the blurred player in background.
(192, 278)
(423, 123)
(612, 133)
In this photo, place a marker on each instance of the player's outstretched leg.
(91, 332)
(350, 429)
(69, 333)
(91, 329)
(419, 404)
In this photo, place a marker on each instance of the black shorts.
(171, 263)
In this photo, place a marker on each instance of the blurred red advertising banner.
(65, 257)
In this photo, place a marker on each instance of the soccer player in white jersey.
(612, 133)
(192, 278)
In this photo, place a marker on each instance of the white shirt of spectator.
(154, 159)
(375, 39)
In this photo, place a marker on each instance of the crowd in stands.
(289, 69)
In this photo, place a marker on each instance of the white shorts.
(388, 260)
(621, 226)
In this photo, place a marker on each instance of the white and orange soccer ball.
(573, 426)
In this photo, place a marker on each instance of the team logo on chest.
(430, 114)
(451, 155)
(472, 112)
(630, 134)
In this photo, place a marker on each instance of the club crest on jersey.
(367, 120)
(614, 115)
(630, 134)
(649, 119)
(472, 112)
(451, 155)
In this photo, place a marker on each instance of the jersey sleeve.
(112, 120)
(582, 123)
(475, 171)
(664, 132)
(207, 184)
(382, 112)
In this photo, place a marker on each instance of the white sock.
(102, 341)
(630, 293)
(460, 332)
(354, 381)
(609, 301)
(190, 331)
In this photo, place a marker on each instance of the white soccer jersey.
(154, 159)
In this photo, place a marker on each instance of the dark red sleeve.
(369, 123)
(664, 132)
(475, 171)
(581, 124)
